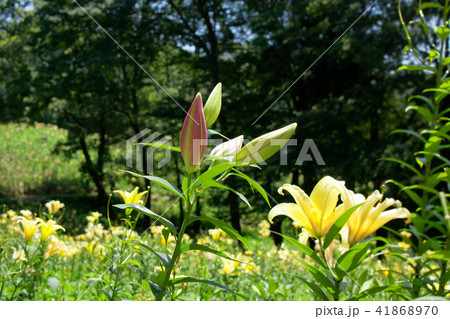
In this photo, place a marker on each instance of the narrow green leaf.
(208, 282)
(403, 163)
(163, 146)
(213, 172)
(337, 226)
(134, 262)
(410, 132)
(426, 113)
(253, 183)
(155, 288)
(426, 5)
(352, 258)
(207, 249)
(213, 132)
(161, 181)
(417, 68)
(305, 249)
(165, 259)
(272, 286)
(319, 276)
(148, 212)
(213, 183)
(107, 295)
(416, 198)
(222, 225)
(439, 156)
(428, 189)
(369, 292)
(315, 289)
(440, 254)
(423, 99)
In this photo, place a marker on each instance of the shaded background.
(59, 69)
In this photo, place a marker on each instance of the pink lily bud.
(194, 136)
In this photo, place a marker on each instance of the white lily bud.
(228, 149)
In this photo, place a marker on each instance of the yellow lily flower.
(216, 233)
(29, 227)
(93, 217)
(156, 230)
(54, 247)
(315, 213)
(264, 228)
(369, 217)
(49, 228)
(19, 254)
(170, 239)
(131, 197)
(27, 214)
(54, 206)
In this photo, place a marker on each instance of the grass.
(31, 161)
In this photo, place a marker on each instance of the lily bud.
(228, 149)
(213, 105)
(263, 147)
(194, 136)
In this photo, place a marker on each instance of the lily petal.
(324, 197)
(292, 211)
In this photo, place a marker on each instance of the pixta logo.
(140, 156)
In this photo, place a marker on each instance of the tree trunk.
(94, 172)
(234, 205)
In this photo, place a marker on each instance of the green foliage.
(428, 188)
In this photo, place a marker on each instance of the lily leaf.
(417, 68)
(305, 249)
(316, 289)
(213, 132)
(353, 258)
(337, 226)
(148, 212)
(164, 146)
(413, 195)
(440, 254)
(320, 277)
(209, 282)
(213, 183)
(213, 172)
(165, 259)
(222, 225)
(161, 181)
(204, 248)
(253, 183)
(369, 292)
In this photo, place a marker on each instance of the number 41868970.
(407, 310)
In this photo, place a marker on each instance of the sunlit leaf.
(161, 181)
(148, 212)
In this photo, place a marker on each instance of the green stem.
(337, 286)
(177, 251)
(3, 285)
(115, 283)
(15, 289)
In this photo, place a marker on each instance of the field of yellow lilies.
(39, 261)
